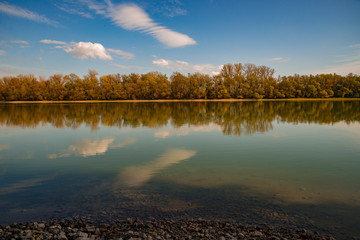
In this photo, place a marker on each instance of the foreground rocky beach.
(83, 229)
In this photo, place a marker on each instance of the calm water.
(284, 163)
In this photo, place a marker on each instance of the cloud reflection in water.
(186, 130)
(86, 147)
(136, 176)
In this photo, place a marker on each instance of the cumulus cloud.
(24, 13)
(132, 17)
(2, 52)
(185, 66)
(84, 50)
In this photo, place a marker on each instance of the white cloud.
(132, 17)
(84, 50)
(173, 8)
(24, 13)
(123, 54)
(99, 8)
(20, 42)
(125, 66)
(161, 62)
(53, 42)
(2, 52)
(185, 66)
(357, 45)
(39, 58)
(279, 59)
(72, 10)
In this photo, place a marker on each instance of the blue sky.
(46, 37)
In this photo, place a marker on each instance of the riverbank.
(153, 229)
(187, 100)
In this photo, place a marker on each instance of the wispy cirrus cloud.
(98, 7)
(343, 69)
(132, 17)
(125, 66)
(185, 66)
(24, 13)
(346, 63)
(72, 10)
(125, 55)
(279, 59)
(173, 8)
(84, 50)
(53, 42)
(20, 42)
(24, 44)
(2, 52)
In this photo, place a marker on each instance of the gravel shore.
(83, 229)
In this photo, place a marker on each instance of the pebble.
(80, 229)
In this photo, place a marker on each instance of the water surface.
(293, 164)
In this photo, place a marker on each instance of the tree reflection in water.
(234, 118)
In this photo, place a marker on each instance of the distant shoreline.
(186, 100)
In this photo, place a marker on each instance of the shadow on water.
(103, 203)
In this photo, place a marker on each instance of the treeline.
(233, 118)
(236, 81)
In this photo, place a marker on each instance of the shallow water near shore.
(292, 164)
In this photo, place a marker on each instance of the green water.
(293, 164)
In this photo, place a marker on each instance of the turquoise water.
(294, 164)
